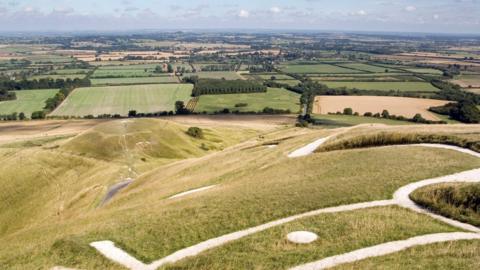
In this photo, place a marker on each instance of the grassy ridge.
(371, 137)
(460, 201)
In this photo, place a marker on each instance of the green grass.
(275, 98)
(56, 77)
(121, 99)
(316, 68)
(350, 231)
(134, 80)
(367, 68)
(115, 73)
(458, 201)
(228, 75)
(27, 101)
(70, 71)
(49, 215)
(276, 75)
(335, 121)
(425, 70)
(385, 86)
(444, 256)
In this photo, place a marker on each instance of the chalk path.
(400, 197)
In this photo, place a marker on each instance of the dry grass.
(407, 107)
(450, 255)
(54, 202)
(368, 136)
(459, 201)
(338, 233)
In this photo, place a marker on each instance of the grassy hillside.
(459, 201)
(365, 136)
(51, 214)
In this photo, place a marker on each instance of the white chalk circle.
(302, 237)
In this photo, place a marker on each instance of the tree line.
(44, 83)
(221, 86)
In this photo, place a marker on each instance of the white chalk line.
(401, 198)
(385, 249)
(191, 192)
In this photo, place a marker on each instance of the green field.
(385, 86)
(425, 70)
(335, 121)
(115, 73)
(367, 68)
(276, 75)
(70, 71)
(56, 77)
(121, 99)
(274, 98)
(134, 80)
(228, 75)
(27, 101)
(317, 68)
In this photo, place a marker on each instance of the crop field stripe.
(120, 99)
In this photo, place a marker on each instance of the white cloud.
(358, 13)
(243, 13)
(436, 16)
(410, 8)
(28, 9)
(275, 10)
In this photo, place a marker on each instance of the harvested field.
(468, 81)
(407, 107)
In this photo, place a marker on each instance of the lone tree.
(170, 68)
(180, 107)
(132, 113)
(418, 118)
(348, 111)
(195, 132)
(385, 114)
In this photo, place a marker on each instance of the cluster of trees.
(44, 83)
(13, 116)
(160, 69)
(464, 111)
(266, 110)
(6, 95)
(453, 92)
(218, 87)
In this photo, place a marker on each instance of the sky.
(432, 16)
